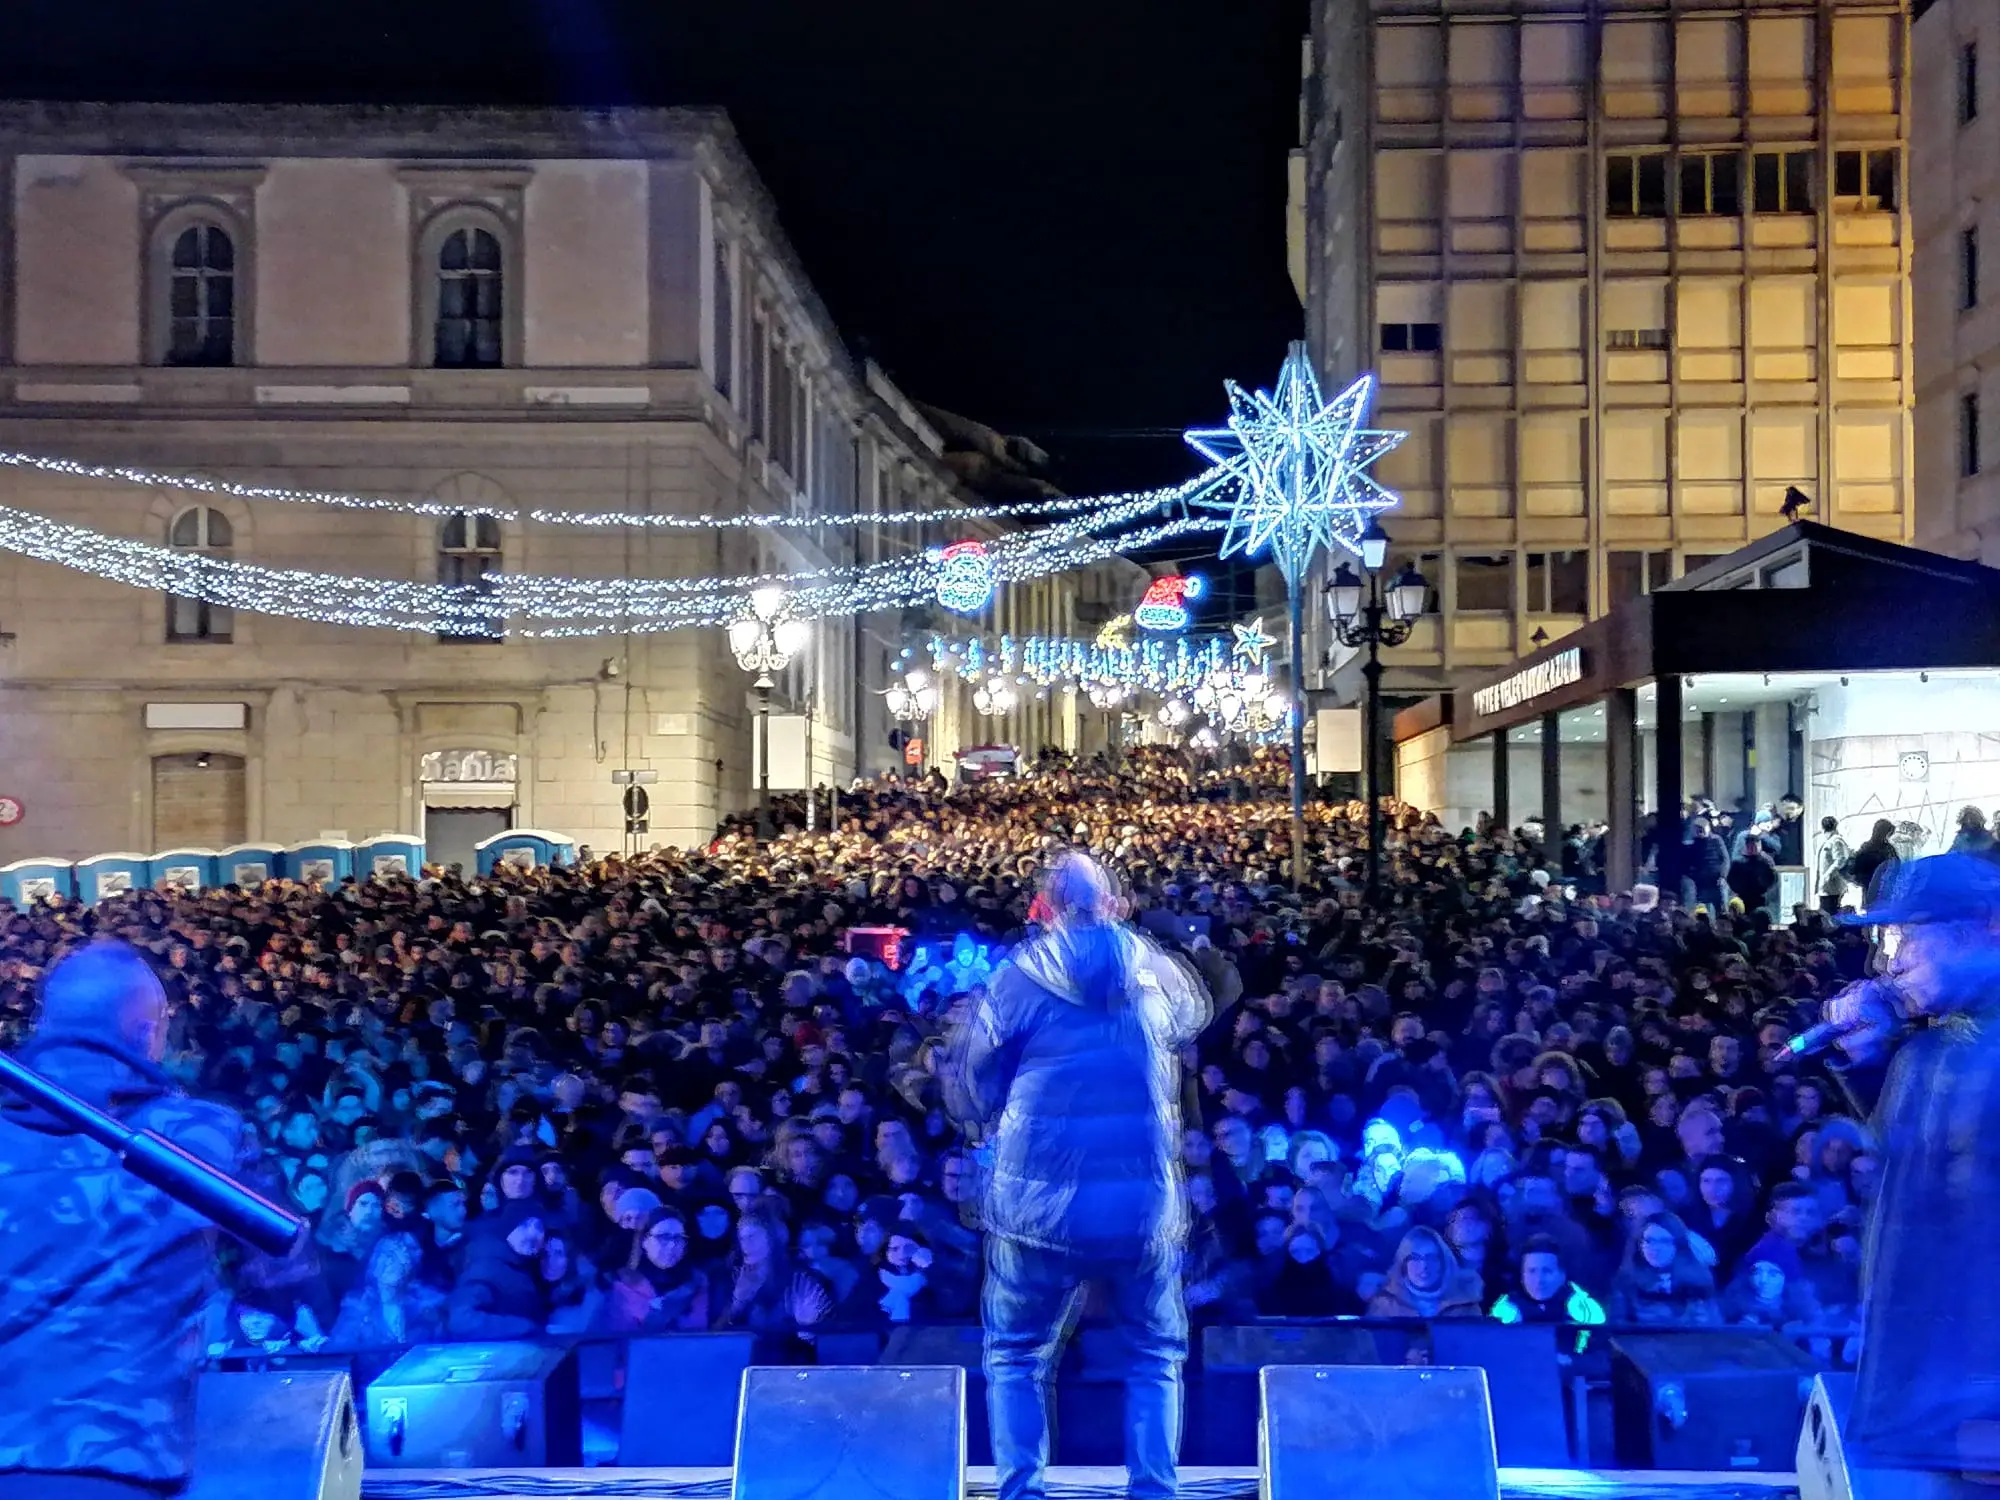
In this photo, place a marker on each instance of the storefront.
(1859, 676)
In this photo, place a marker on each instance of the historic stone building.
(563, 310)
(1628, 273)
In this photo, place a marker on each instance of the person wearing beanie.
(500, 1294)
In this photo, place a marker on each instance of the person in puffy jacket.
(1426, 1281)
(104, 1281)
(1663, 1280)
(1068, 1066)
(500, 1294)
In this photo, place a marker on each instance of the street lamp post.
(912, 700)
(1373, 616)
(766, 641)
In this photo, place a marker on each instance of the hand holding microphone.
(1858, 1019)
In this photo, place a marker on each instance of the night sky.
(1062, 217)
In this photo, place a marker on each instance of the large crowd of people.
(699, 1090)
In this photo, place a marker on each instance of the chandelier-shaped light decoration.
(1292, 468)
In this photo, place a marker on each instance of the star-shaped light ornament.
(1292, 469)
(1253, 645)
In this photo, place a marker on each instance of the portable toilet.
(27, 881)
(105, 875)
(523, 849)
(189, 870)
(248, 865)
(390, 854)
(319, 861)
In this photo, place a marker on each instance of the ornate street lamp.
(1372, 615)
(766, 641)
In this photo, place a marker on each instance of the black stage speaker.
(1383, 1433)
(1222, 1404)
(477, 1406)
(836, 1432)
(283, 1436)
(1524, 1378)
(1708, 1398)
(681, 1396)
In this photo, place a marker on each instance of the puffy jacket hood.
(1083, 963)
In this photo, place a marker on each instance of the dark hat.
(1943, 888)
(361, 1190)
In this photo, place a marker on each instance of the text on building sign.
(1559, 671)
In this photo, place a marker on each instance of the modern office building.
(1955, 217)
(1630, 273)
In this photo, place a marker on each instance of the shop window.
(1781, 182)
(1484, 583)
(1712, 184)
(1865, 181)
(1635, 185)
(1559, 583)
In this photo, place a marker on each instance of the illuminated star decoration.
(1252, 644)
(1293, 468)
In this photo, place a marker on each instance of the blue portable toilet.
(105, 875)
(389, 854)
(248, 864)
(184, 870)
(27, 881)
(319, 861)
(523, 849)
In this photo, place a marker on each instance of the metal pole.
(1295, 599)
(765, 829)
(1371, 734)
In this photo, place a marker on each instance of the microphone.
(1816, 1039)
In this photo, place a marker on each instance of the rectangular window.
(1968, 434)
(1485, 583)
(1968, 83)
(1781, 182)
(1635, 338)
(1866, 179)
(1693, 562)
(724, 325)
(1558, 583)
(1627, 575)
(757, 383)
(1412, 338)
(1712, 184)
(1968, 267)
(1635, 186)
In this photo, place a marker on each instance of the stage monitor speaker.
(1222, 1402)
(1525, 1380)
(1384, 1433)
(837, 1431)
(681, 1396)
(960, 1344)
(281, 1436)
(1712, 1399)
(477, 1406)
(1825, 1471)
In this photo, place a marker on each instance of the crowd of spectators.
(659, 1092)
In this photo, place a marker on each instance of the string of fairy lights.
(540, 606)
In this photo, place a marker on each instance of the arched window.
(469, 554)
(201, 297)
(470, 333)
(205, 530)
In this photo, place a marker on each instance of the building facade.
(510, 309)
(1955, 215)
(1628, 272)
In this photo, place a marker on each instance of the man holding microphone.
(1069, 1066)
(1927, 1392)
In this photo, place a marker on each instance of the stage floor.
(1064, 1484)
